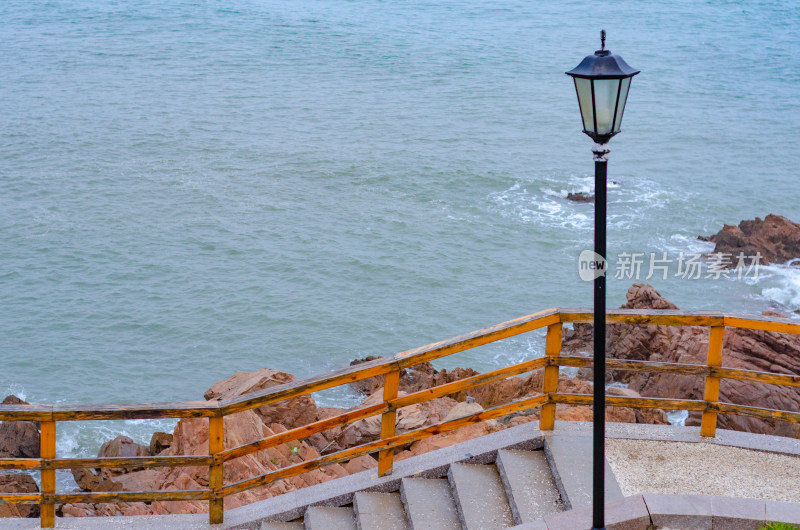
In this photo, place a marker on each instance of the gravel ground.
(645, 466)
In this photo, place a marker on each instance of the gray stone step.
(329, 518)
(379, 511)
(480, 497)
(280, 526)
(429, 504)
(570, 459)
(529, 484)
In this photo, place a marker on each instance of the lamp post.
(602, 81)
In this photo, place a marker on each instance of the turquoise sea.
(191, 189)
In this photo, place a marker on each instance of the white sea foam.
(677, 417)
(15, 389)
(340, 397)
(685, 243)
(82, 439)
(779, 283)
(544, 202)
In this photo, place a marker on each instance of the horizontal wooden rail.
(130, 461)
(665, 317)
(20, 498)
(755, 376)
(762, 323)
(634, 402)
(129, 411)
(633, 365)
(467, 383)
(390, 368)
(103, 462)
(26, 413)
(21, 463)
(755, 412)
(129, 496)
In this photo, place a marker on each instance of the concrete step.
(280, 526)
(529, 484)
(570, 459)
(379, 511)
(480, 497)
(329, 518)
(429, 504)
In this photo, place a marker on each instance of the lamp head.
(602, 81)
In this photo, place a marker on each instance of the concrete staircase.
(503, 488)
(517, 488)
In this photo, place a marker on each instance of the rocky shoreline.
(776, 238)
(742, 349)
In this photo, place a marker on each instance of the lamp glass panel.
(584, 89)
(623, 97)
(605, 100)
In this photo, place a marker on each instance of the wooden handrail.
(129, 496)
(390, 368)
(21, 498)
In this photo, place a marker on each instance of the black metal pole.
(599, 434)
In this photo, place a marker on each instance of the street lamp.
(602, 82)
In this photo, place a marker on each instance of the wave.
(544, 202)
(779, 284)
(685, 243)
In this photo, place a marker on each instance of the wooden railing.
(390, 368)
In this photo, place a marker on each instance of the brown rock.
(360, 463)
(183, 481)
(325, 442)
(18, 483)
(367, 386)
(292, 413)
(78, 510)
(776, 238)
(13, 400)
(122, 446)
(86, 479)
(412, 379)
(160, 441)
(651, 416)
(504, 391)
(447, 439)
(580, 197)
(408, 419)
(18, 439)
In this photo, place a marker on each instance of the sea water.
(192, 189)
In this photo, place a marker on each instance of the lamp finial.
(602, 39)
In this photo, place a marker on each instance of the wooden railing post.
(391, 384)
(552, 349)
(47, 449)
(216, 433)
(716, 334)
